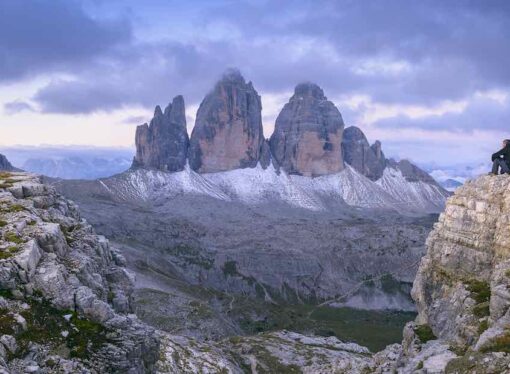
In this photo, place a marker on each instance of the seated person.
(501, 159)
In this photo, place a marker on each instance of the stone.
(307, 139)
(228, 130)
(367, 159)
(163, 144)
(9, 342)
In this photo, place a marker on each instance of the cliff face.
(462, 286)
(64, 293)
(163, 144)
(367, 159)
(307, 139)
(228, 130)
(5, 164)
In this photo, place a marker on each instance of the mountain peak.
(232, 75)
(309, 89)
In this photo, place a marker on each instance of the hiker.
(501, 159)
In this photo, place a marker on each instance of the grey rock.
(367, 160)
(307, 139)
(228, 130)
(163, 144)
(9, 342)
(5, 164)
(411, 172)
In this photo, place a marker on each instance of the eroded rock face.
(5, 164)
(163, 144)
(228, 130)
(308, 134)
(461, 289)
(65, 293)
(367, 159)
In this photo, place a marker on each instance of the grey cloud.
(52, 35)
(480, 114)
(451, 48)
(17, 106)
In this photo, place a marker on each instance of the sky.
(430, 78)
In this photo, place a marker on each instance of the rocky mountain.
(307, 139)
(65, 295)
(461, 288)
(5, 164)
(163, 144)
(450, 184)
(367, 159)
(228, 129)
(68, 300)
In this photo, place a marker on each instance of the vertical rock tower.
(228, 130)
(307, 139)
(163, 144)
(367, 159)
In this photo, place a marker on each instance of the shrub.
(424, 333)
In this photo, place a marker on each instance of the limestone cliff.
(228, 130)
(64, 293)
(462, 288)
(163, 144)
(307, 139)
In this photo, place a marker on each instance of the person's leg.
(495, 166)
(504, 167)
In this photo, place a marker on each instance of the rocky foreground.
(65, 303)
(66, 306)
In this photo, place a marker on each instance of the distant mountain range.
(70, 162)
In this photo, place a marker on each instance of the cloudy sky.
(430, 79)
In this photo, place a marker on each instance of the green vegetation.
(32, 222)
(230, 269)
(7, 322)
(9, 252)
(499, 344)
(481, 310)
(3, 223)
(424, 333)
(14, 208)
(191, 255)
(5, 175)
(13, 237)
(373, 329)
(68, 232)
(480, 290)
(268, 364)
(390, 285)
(5, 293)
(46, 324)
(484, 325)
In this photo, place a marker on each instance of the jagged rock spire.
(367, 159)
(164, 143)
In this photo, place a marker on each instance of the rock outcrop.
(65, 295)
(228, 130)
(5, 164)
(163, 144)
(462, 288)
(307, 139)
(367, 159)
